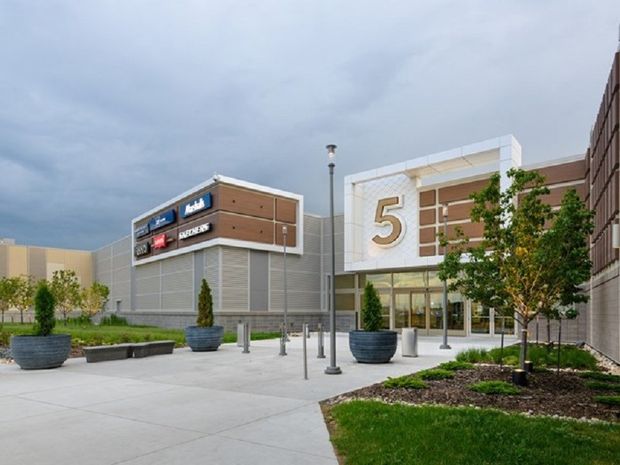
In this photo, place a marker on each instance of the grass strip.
(373, 433)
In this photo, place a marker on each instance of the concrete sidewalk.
(188, 408)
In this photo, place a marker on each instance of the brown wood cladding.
(427, 235)
(244, 228)
(245, 202)
(427, 217)
(427, 198)
(460, 191)
(602, 167)
(460, 211)
(236, 213)
(471, 230)
(286, 210)
(291, 235)
(566, 172)
(427, 250)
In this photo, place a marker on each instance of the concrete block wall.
(603, 332)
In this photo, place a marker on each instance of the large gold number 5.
(381, 218)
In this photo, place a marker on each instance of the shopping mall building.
(230, 232)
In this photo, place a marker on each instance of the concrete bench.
(106, 353)
(146, 349)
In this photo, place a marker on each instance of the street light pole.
(284, 235)
(332, 369)
(445, 344)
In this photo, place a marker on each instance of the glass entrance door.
(424, 310)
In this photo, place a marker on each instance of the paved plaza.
(188, 408)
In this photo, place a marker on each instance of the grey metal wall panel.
(177, 282)
(177, 301)
(174, 264)
(234, 276)
(259, 280)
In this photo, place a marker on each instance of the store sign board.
(163, 219)
(195, 231)
(160, 241)
(142, 249)
(196, 205)
(142, 231)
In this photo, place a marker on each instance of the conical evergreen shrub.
(205, 306)
(371, 309)
(44, 305)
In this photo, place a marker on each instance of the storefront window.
(507, 321)
(480, 318)
(456, 311)
(385, 308)
(345, 281)
(433, 279)
(383, 280)
(410, 279)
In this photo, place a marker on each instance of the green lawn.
(373, 433)
(92, 335)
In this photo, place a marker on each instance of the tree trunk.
(523, 351)
(21, 316)
(548, 334)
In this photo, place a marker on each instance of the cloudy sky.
(109, 108)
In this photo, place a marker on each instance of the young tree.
(94, 298)
(66, 290)
(205, 306)
(8, 291)
(24, 296)
(532, 257)
(371, 309)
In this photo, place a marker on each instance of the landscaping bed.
(565, 394)
(85, 335)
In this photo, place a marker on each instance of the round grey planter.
(204, 339)
(39, 352)
(373, 346)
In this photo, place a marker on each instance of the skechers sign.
(196, 230)
(142, 231)
(162, 220)
(196, 205)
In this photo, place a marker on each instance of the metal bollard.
(239, 334)
(321, 348)
(246, 338)
(282, 341)
(305, 329)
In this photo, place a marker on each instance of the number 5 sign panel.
(381, 222)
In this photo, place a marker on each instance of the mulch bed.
(549, 393)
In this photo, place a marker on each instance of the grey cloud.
(110, 108)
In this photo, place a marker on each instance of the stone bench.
(106, 353)
(123, 351)
(146, 349)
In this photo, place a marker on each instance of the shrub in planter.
(42, 349)
(372, 345)
(204, 336)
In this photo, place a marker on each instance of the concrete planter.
(373, 346)
(204, 339)
(39, 352)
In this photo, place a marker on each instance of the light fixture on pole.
(284, 240)
(332, 369)
(445, 345)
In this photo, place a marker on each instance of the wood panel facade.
(235, 212)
